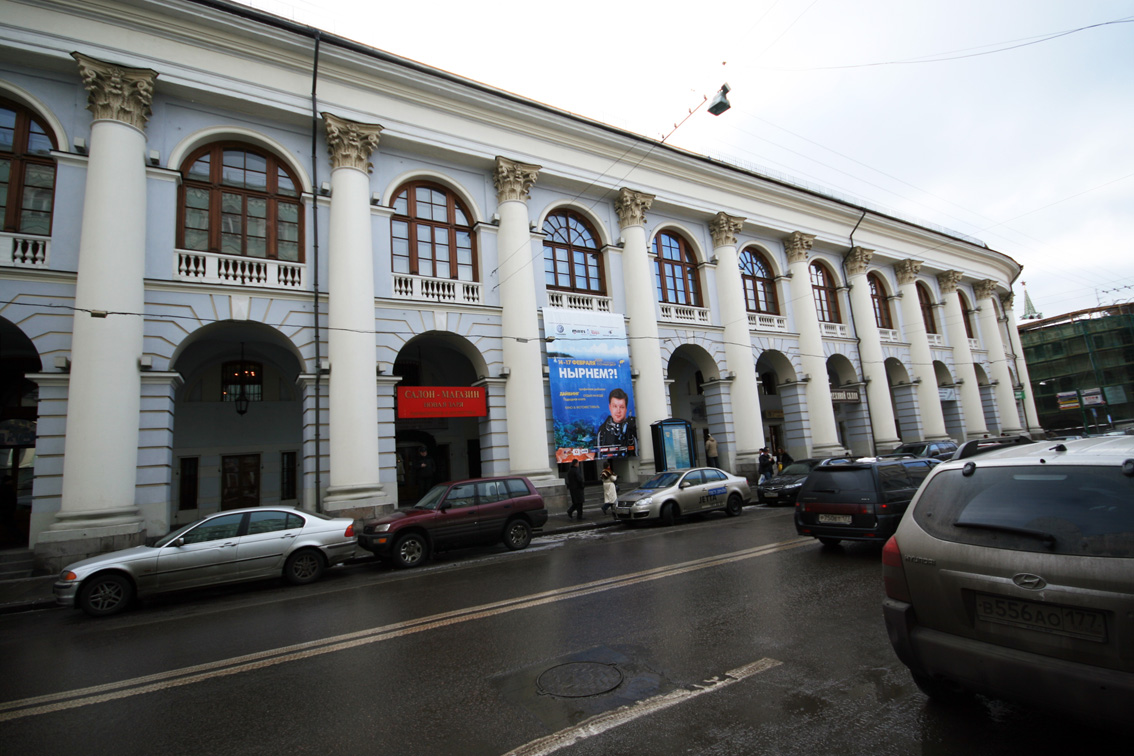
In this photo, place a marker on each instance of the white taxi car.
(673, 493)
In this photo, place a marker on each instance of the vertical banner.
(592, 394)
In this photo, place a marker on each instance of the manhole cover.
(579, 680)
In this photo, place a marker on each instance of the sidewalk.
(35, 592)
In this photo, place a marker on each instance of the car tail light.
(893, 573)
(349, 531)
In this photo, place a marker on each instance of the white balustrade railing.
(761, 322)
(24, 251)
(835, 330)
(684, 314)
(935, 339)
(575, 301)
(230, 270)
(888, 335)
(436, 289)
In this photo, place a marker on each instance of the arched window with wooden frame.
(825, 293)
(571, 259)
(925, 301)
(678, 282)
(759, 282)
(966, 314)
(880, 302)
(27, 171)
(240, 199)
(432, 235)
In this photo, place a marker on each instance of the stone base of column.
(78, 535)
(829, 450)
(361, 502)
(886, 445)
(1036, 433)
(553, 490)
(747, 465)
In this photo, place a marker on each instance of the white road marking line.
(213, 670)
(600, 723)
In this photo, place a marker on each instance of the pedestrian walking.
(784, 457)
(609, 488)
(575, 488)
(766, 466)
(711, 458)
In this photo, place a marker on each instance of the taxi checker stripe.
(187, 675)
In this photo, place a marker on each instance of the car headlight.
(644, 502)
(67, 576)
(793, 485)
(383, 528)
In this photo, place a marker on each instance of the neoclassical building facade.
(230, 241)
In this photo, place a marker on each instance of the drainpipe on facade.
(854, 330)
(315, 271)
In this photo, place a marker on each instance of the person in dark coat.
(424, 470)
(575, 488)
(767, 466)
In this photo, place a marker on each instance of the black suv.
(858, 500)
(939, 450)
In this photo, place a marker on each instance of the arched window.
(966, 315)
(27, 172)
(571, 259)
(678, 282)
(881, 303)
(925, 300)
(759, 283)
(826, 298)
(242, 377)
(432, 235)
(238, 199)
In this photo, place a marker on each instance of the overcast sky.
(956, 113)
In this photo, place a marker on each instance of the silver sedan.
(228, 547)
(671, 494)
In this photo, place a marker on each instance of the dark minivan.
(459, 513)
(859, 500)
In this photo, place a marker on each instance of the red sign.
(441, 401)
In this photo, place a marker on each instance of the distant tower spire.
(1029, 308)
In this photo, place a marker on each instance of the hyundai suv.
(1012, 575)
(459, 513)
(858, 499)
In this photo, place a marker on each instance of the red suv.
(459, 513)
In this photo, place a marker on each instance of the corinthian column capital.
(350, 142)
(115, 92)
(857, 261)
(985, 289)
(724, 228)
(1006, 300)
(907, 271)
(798, 246)
(631, 207)
(514, 180)
(948, 281)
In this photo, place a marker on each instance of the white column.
(98, 511)
(882, 424)
(519, 322)
(924, 376)
(975, 426)
(642, 309)
(749, 428)
(1031, 416)
(998, 362)
(354, 487)
(820, 411)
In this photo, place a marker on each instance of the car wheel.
(303, 567)
(939, 691)
(830, 541)
(107, 594)
(517, 534)
(410, 550)
(668, 514)
(734, 505)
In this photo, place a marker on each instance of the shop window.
(239, 200)
(431, 233)
(880, 302)
(678, 282)
(571, 259)
(759, 283)
(826, 297)
(27, 171)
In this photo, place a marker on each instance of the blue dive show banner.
(592, 396)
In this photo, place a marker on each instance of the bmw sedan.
(228, 547)
(671, 494)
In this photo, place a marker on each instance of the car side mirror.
(178, 543)
(685, 484)
(443, 506)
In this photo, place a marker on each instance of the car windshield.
(172, 536)
(841, 479)
(1068, 510)
(914, 449)
(432, 498)
(661, 480)
(798, 468)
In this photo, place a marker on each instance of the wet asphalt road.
(717, 636)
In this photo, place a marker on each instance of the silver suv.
(1012, 575)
